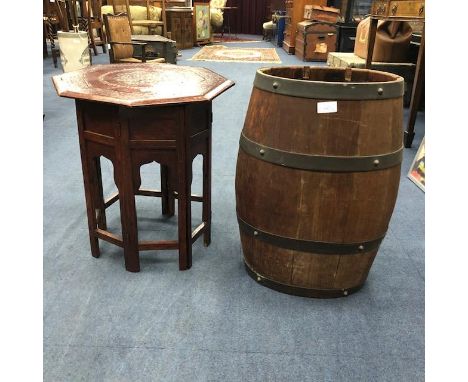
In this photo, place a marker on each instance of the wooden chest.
(294, 15)
(350, 60)
(320, 13)
(315, 40)
(158, 46)
(398, 8)
(180, 26)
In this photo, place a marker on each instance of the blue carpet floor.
(213, 322)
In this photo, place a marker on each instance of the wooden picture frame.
(417, 172)
(202, 23)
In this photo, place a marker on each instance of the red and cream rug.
(227, 38)
(222, 53)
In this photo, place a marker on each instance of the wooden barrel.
(317, 176)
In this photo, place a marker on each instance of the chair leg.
(54, 57)
(103, 39)
(50, 36)
(45, 53)
(93, 44)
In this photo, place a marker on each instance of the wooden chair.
(118, 6)
(55, 18)
(119, 37)
(91, 10)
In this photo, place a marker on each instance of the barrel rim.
(330, 90)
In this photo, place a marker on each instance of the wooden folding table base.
(133, 114)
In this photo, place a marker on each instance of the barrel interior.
(308, 73)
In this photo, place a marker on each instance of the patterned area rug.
(217, 38)
(222, 53)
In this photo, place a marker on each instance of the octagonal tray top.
(141, 84)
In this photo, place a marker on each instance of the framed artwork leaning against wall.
(201, 19)
(417, 172)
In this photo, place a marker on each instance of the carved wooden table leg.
(206, 214)
(184, 174)
(167, 198)
(87, 164)
(126, 186)
(99, 196)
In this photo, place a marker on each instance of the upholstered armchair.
(138, 12)
(119, 37)
(216, 13)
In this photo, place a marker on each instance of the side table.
(401, 10)
(134, 114)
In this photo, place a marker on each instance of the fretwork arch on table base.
(134, 114)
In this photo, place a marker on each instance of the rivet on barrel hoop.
(376, 162)
(345, 292)
(379, 91)
(275, 85)
(259, 278)
(361, 247)
(262, 152)
(255, 233)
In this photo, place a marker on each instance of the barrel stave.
(329, 207)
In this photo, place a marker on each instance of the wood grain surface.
(141, 84)
(332, 207)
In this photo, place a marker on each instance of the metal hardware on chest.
(320, 162)
(316, 247)
(381, 9)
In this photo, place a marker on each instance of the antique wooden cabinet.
(180, 26)
(398, 8)
(295, 14)
(314, 40)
